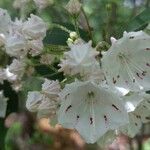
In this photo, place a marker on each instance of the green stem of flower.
(88, 25)
(54, 25)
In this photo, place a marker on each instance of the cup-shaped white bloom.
(34, 28)
(5, 21)
(34, 99)
(126, 64)
(140, 115)
(35, 47)
(3, 105)
(80, 59)
(17, 67)
(51, 88)
(16, 45)
(91, 110)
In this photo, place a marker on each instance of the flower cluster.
(102, 93)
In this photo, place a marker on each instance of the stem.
(76, 25)
(54, 25)
(88, 24)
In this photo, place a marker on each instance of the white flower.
(17, 67)
(51, 88)
(34, 99)
(126, 64)
(35, 47)
(41, 4)
(80, 59)
(16, 45)
(34, 28)
(140, 115)
(91, 110)
(5, 21)
(3, 105)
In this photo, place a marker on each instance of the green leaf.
(140, 21)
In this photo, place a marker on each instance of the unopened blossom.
(3, 105)
(17, 67)
(41, 4)
(126, 64)
(80, 59)
(91, 110)
(73, 7)
(16, 45)
(34, 28)
(140, 115)
(5, 21)
(51, 88)
(35, 47)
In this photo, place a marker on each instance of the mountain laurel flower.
(73, 7)
(17, 67)
(140, 115)
(16, 45)
(51, 88)
(34, 28)
(126, 64)
(35, 47)
(80, 59)
(91, 110)
(3, 105)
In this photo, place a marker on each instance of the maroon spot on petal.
(131, 37)
(144, 73)
(136, 124)
(147, 64)
(144, 106)
(133, 80)
(78, 117)
(148, 49)
(91, 120)
(126, 82)
(67, 95)
(68, 108)
(118, 76)
(105, 117)
(138, 116)
(148, 118)
(114, 81)
(115, 107)
(138, 75)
